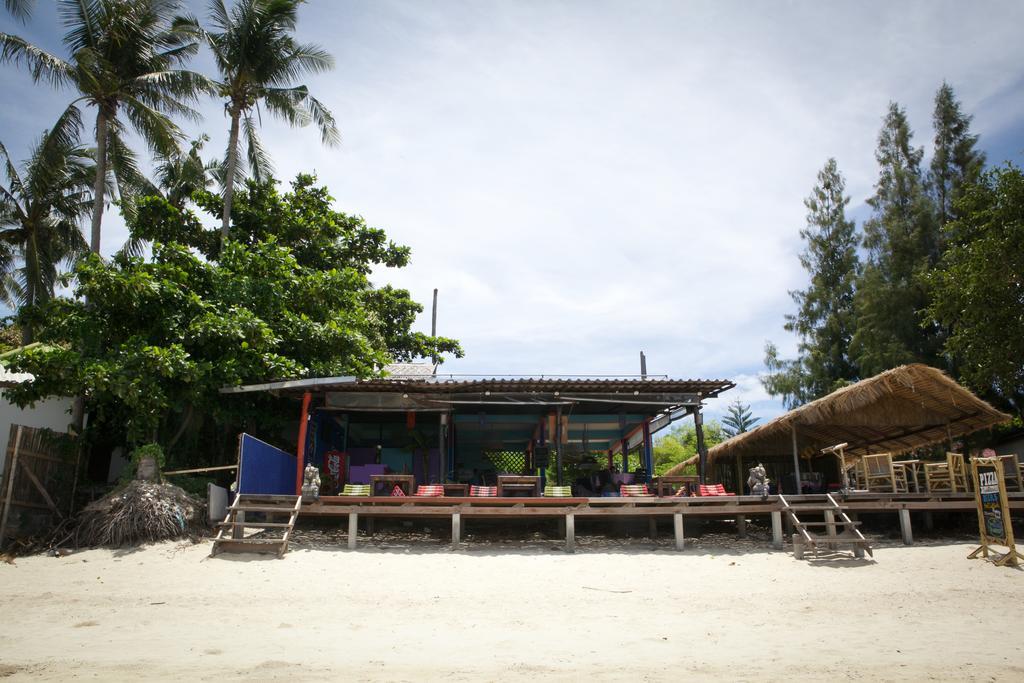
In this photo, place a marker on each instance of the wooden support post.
(702, 452)
(238, 530)
(796, 462)
(677, 524)
(353, 529)
(905, 529)
(741, 526)
(300, 451)
(456, 529)
(652, 528)
(570, 532)
(777, 530)
(830, 527)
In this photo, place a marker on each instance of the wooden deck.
(737, 508)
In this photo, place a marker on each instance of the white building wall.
(53, 413)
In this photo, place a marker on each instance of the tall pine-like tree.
(902, 239)
(956, 163)
(825, 316)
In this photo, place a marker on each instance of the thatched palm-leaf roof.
(899, 410)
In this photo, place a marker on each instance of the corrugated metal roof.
(451, 384)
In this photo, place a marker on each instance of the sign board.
(994, 524)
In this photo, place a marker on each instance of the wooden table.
(517, 482)
(662, 483)
(912, 468)
(456, 490)
(406, 482)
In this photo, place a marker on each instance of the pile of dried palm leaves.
(141, 512)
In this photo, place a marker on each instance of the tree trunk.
(229, 174)
(100, 184)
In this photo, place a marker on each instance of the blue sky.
(583, 180)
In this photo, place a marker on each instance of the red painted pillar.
(300, 456)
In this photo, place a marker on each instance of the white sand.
(168, 612)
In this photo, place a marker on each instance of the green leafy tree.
(259, 60)
(824, 319)
(978, 287)
(956, 163)
(159, 337)
(680, 444)
(902, 240)
(41, 207)
(738, 419)
(123, 60)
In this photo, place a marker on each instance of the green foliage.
(149, 450)
(825, 316)
(978, 287)
(681, 444)
(738, 419)
(158, 338)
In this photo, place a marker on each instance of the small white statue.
(311, 483)
(758, 481)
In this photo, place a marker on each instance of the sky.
(585, 180)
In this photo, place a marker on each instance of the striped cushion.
(483, 491)
(714, 490)
(430, 490)
(558, 491)
(356, 490)
(634, 490)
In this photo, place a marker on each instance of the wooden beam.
(300, 451)
(11, 473)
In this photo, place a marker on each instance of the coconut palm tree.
(123, 59)
(259, 60)
(41, 207)
(180, 174)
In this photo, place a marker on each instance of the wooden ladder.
(838, 529)
(231, 532)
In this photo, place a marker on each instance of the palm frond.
(41, 65)
(20, 9)
(82, 19)
(259, 161)
(157, 130)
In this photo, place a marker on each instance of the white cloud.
(583, 180)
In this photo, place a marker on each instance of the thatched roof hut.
(899, 410)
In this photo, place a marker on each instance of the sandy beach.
(419, 611)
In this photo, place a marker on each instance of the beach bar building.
(420, 428)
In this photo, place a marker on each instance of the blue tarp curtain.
(264, 469)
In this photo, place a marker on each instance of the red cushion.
(397, 491)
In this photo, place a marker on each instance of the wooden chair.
(1011, 470)
(950, 475)
(880, 473)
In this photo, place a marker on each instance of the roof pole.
(796, 461)
(702, 451)
(558, 444)
(300, 451)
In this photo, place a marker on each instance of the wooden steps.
(839, 530)
(231, 532)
